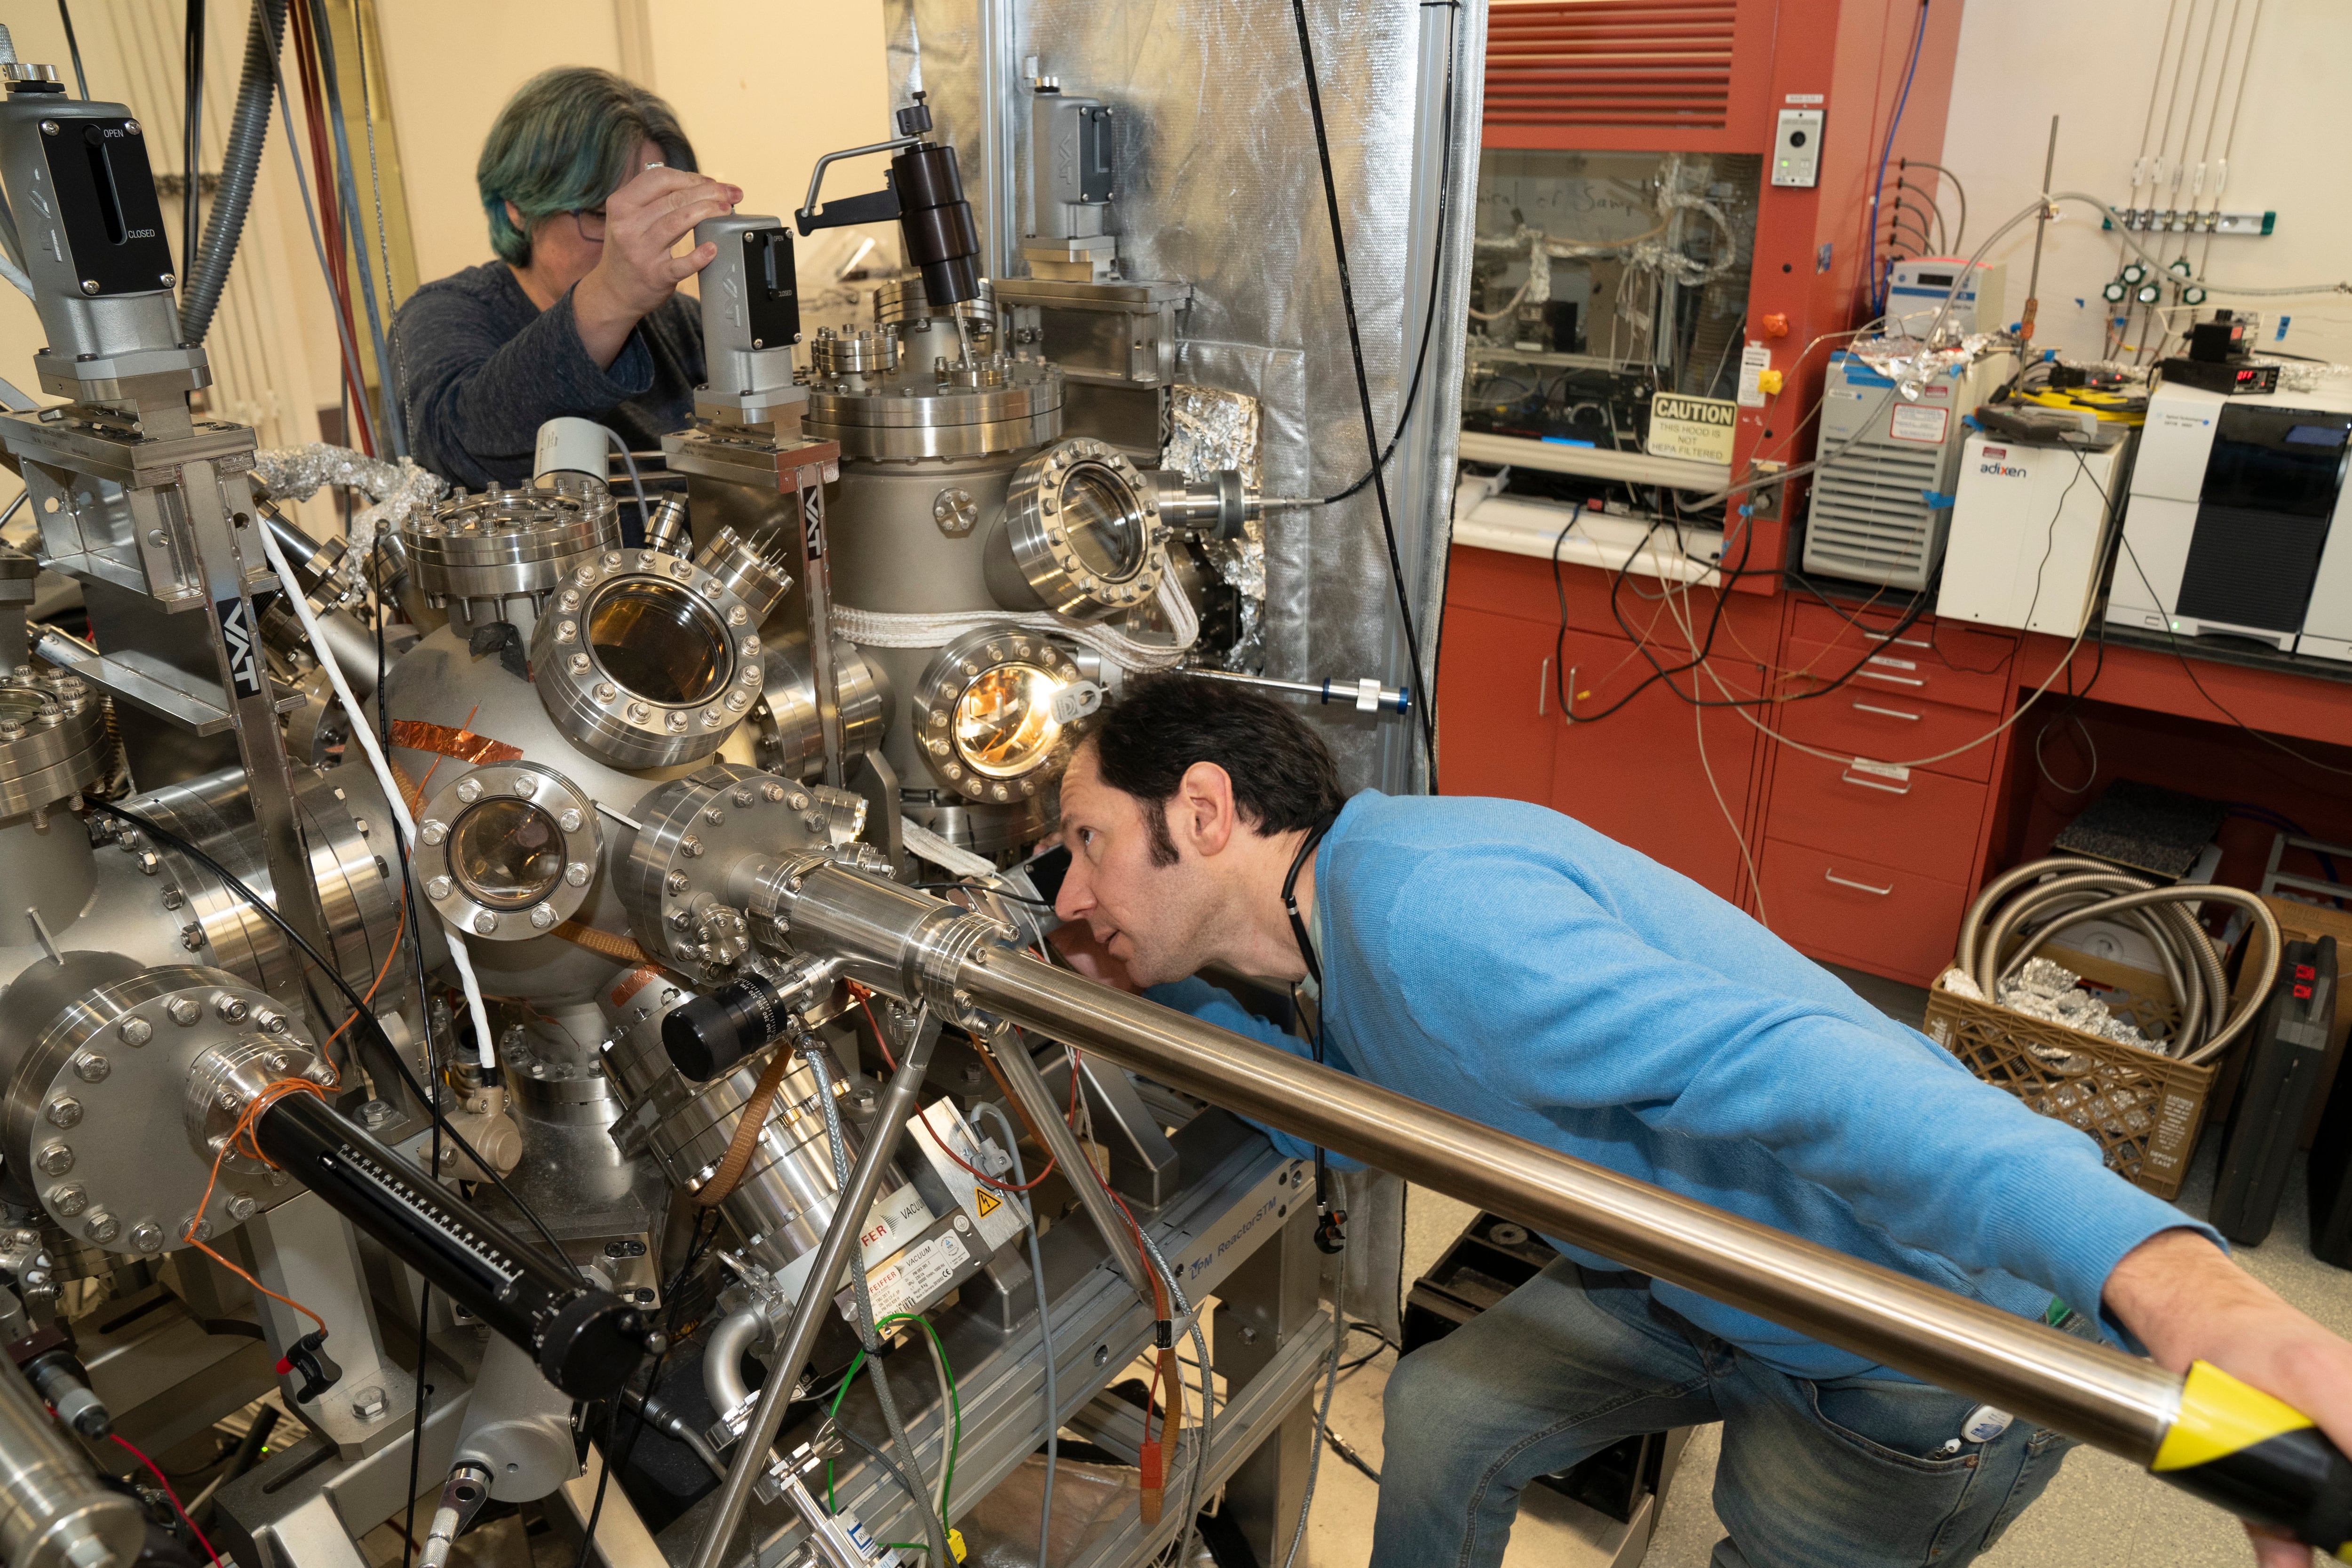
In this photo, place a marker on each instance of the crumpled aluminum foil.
(2302, 375)
(1210, 430)
(1911, 364)
(397, 489)
(1219, 186)
(2050, 991)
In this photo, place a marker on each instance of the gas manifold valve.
(837, 1539)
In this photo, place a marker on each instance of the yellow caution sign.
(988, 1202)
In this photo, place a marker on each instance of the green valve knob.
(2114, 291)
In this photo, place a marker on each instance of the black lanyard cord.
(1330, 1223)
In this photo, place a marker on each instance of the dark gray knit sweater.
(480, 368)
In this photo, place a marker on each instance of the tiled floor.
(2100, 1512)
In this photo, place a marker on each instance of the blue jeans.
(1847, 1474)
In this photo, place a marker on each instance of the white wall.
(2092, 63)
(761, 90)
(271, 343)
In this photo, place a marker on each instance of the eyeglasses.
(590, 224)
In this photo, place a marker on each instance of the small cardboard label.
(1698, 429)
(1895, 771)
(1910, 422)
(1754, 361)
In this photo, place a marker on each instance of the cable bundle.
(2042, 897)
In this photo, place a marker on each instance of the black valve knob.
(308, 1356)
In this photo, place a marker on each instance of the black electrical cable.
(700, 1240)
(424, 1020)
(73, 47)
(872, 1451)
(1370, 1356)
(262, 907)
(1437, 265)
(191, 135)
(1364, 384)
(1346, 1452)
(1661, 672)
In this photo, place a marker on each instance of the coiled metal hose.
(248, 128)
(2054, 894)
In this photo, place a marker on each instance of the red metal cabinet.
(1637, 774)
(1493, 693)
(1860, 913)
(1906, 818)
(1869, 867)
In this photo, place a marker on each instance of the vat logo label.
(812, 521)
(236, 635)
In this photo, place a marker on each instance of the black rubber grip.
(708, 1034)
(585, 1340)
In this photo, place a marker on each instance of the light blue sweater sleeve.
(1215, 1004)
(1546, 998)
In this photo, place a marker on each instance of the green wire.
(955, 1412)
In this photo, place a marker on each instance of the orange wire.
(243, 1133)
(881, 1043)
(1070, 1118)
(396, 934)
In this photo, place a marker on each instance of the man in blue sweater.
(1505, 963)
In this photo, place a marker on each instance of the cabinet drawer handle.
(1849, 776)
(1900, 642)
(1543, 686)
(1885, 712)
(1857, 886)
(1897, 679)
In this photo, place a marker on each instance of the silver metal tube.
(722, 1357)
(1390, 699)
(1037, 1104)
(2071, 1385)
(53, 1512)
(816, 1300)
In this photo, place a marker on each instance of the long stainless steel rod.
(817, 1299)
(1036, 1099)
(2087, 1391)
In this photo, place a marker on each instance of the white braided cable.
(891, 628)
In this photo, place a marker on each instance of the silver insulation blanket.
(1219, 187)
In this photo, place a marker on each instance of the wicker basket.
(2144, 1110)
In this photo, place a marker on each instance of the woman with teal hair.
(588, 185)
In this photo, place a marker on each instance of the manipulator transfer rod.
(901, 942)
